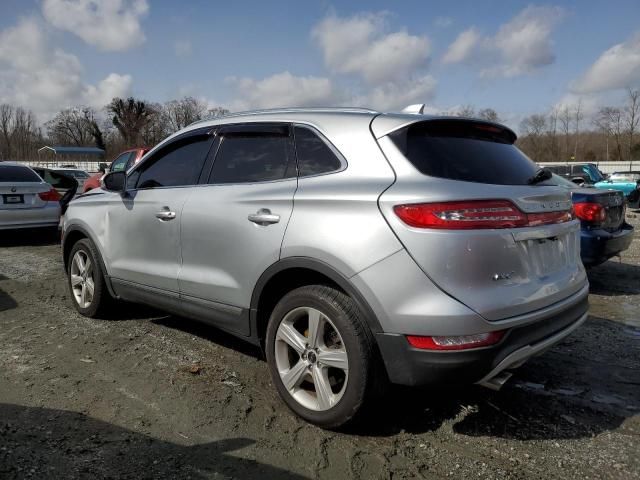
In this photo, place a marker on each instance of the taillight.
(457, 342)
(50, 196)
(590, 212)
(475, 214)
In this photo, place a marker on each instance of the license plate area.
(12, 199)
(546, 256)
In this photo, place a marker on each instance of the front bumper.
(597, 246)
(411, 366)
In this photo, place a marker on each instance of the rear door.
(233, 225)
(463, 207)
(142, 227)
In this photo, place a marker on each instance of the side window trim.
(292, 162)
(341, 158)
(159, 151)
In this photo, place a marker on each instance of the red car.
(124, 161)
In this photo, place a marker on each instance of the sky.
(515, 57)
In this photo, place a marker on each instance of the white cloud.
(462, 47)
(395, 96)
(617, 67)
(521, 46)
(284, 90)
(359, 45)
(45, 79)
(443, 22)
(110, 25)
(182, 48)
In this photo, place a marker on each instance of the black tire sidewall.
(358, 355)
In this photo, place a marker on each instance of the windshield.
(625, 177)
(561, 182)
(74, 173)
(593, 172)
(17, 173)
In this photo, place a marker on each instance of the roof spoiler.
(416, 109)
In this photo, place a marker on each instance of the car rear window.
(16, 173)
(462, 150)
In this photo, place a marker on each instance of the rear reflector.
(459, 342)
(475, 214)
(50, 196)
(590, 212)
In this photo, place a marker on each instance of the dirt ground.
(146, 395)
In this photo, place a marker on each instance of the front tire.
(320, 354)
(86, 280)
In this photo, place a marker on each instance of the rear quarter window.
(16, 173)
(465, 151)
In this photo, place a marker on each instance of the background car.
(124, 161)
(626, 182)
(604, 233)
(80, 175)
(578, 173)
(65, 185)
(26, 200)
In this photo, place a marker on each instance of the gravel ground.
(146, 395)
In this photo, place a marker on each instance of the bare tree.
(6, 120)
(565, 124)
(578, 116)
(466, 111)
(609, 120)
(632, 116)
(489, 114)
(534, 127)
(180, 113)
(25, 134)
(217, 112)
(130, 116)
(552, 134)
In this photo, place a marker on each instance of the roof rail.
(290, 110)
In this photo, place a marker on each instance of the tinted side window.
(314, 155)
(120, 163)
(247, 157)
(175, 165)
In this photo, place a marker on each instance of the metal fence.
(610, 167)
(86, 165)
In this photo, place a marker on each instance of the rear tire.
(321, 355)
(85, 278)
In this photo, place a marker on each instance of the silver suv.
(355, 247)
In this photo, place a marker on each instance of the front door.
(143, 226)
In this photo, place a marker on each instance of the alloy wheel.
(311, 358)
(82, 280)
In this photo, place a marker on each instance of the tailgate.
(22, 195)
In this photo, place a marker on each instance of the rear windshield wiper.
(541, 175)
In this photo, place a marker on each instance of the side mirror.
(115, 182)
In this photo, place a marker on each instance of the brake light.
(590, 212)
(458, 342)
(50, 196)
(475, 214)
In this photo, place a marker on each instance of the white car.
(26, 201)
(80, 175)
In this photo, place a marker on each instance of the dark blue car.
(604, 233)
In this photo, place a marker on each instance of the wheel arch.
(72, 235)
(293, 272)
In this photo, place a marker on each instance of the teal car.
(627, 182)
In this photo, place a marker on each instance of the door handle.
(165, 214)
(264, 217)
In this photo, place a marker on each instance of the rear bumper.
(411, 366)
(597, 246)
(47, 216)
